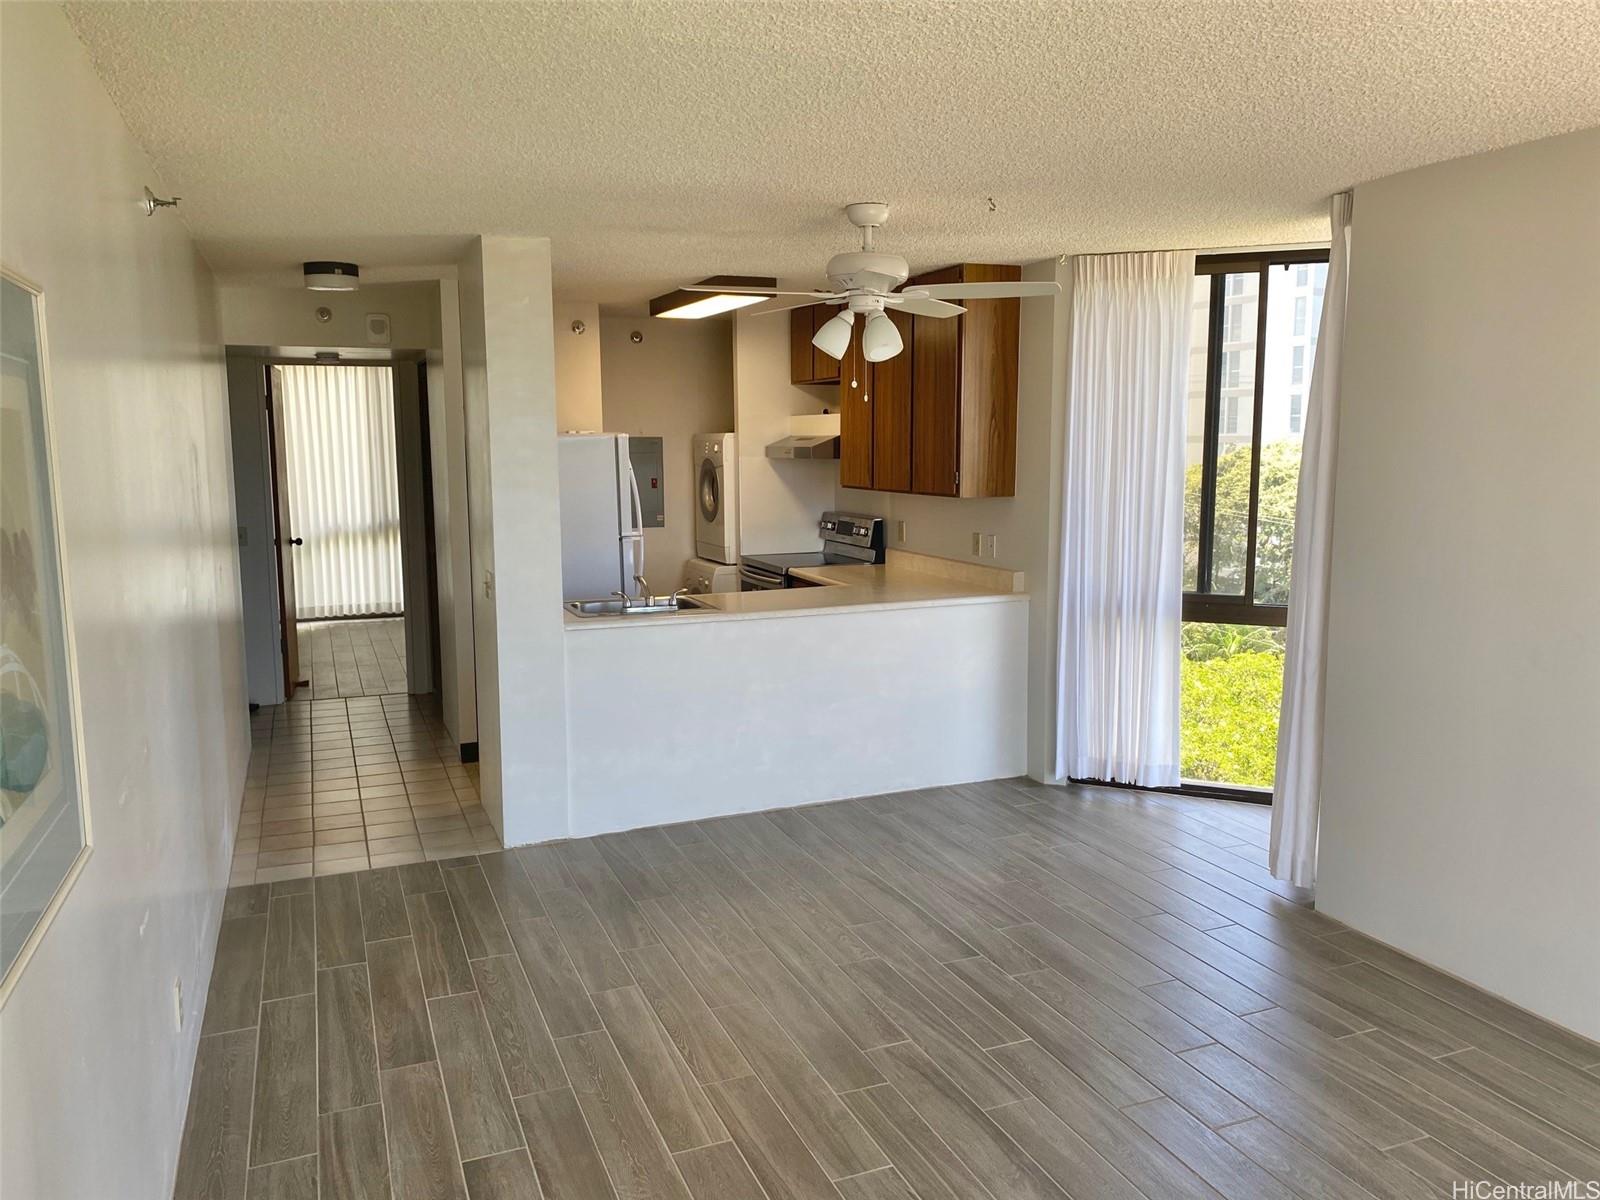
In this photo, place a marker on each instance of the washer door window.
(710, 491)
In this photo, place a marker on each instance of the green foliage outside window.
(1232, 676)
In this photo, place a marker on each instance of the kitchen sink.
(642, 607)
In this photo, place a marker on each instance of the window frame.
(1202, 604)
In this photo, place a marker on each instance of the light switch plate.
(900, 532)
(993, 546)
(977, 545)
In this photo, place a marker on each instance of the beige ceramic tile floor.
(353, 658)
(347, 784)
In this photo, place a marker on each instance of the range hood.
(805, 445)
(811, 435)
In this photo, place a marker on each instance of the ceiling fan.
(864, 282)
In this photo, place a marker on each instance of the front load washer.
(702, 577)
(716, 514)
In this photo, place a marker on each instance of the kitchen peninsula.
(757, 700)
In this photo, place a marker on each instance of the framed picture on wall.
(44, 819)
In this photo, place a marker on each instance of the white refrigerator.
(602, 528)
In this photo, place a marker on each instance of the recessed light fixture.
(692, 306)
(332, 276)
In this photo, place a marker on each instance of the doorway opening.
(341, 468)
(353, 528)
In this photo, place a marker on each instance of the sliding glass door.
(1253, 344)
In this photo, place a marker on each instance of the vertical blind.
(344, 494)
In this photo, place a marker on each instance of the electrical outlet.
(977, 545)
(900, 532)
(993, 546)
(177, 1003)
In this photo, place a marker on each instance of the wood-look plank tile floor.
(992, 991)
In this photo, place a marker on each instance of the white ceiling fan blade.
(921, 307)
(753, 291)
(985, 291)
(763, 309)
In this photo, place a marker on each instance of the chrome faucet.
(644, 587)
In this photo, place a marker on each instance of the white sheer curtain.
(1122, 519)
(1296, 787)
(344, 494)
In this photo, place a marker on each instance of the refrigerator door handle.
(636, 516)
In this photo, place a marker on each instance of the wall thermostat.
(378, 329)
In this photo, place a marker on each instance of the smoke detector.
(332, 276)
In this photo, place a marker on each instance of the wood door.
(285, 541)
(936, 404)
(891, 413)
(855, 416)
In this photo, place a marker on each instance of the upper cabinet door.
(800, 347)
(936, 404)
(989, 336)
(856, 405)
(824, 368)
(807, 364)
(891, 413)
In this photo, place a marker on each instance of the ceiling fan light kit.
(864, 281)
(880, 340)
(833, 339)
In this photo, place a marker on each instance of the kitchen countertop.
(905, 581)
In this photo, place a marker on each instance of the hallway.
(345, 784)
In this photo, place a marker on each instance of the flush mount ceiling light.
(833, 339)
(332, 276)
(706, 301)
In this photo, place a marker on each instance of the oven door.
(753, 578)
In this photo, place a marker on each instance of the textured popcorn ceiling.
(660, 141)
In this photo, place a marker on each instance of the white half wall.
(514, 498)
(95, 1074)
(676, 383)
(674, 722)
(779, 501)
(1461, 785)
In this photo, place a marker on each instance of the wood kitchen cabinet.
(807, 364)
(940, 418)
(875, 415)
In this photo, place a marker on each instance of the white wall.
(95, 1076)
(258, 575)
(286, 316)
(1461, 787)
(577, 368)
(453, 549)
(508, 361)
(676, 383)
(779, 501)
(929, 696)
